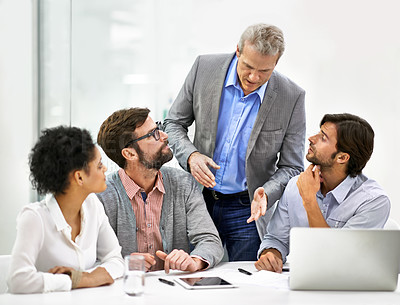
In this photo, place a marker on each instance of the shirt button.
(151, 246)
(137, 229)
(148, 225)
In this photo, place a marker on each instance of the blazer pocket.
(268, 143)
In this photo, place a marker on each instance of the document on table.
(262, 278)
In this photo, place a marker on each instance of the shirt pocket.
(335, 222)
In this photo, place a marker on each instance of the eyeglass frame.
(155, 133)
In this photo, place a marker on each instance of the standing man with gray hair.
(249, 135)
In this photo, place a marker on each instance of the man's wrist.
(310, 202)
(274, 251)
(188, 160)
(200, 264)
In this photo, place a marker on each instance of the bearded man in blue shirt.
(332, 192)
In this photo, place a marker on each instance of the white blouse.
(44, 241)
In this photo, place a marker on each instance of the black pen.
(285, 269)
(166, 282)
(244, 271)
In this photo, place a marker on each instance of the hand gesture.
(199, 167)
(258, 205)
(180, 260)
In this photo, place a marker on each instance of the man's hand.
(258, 205)
(271, 260)
(180, 260)
(149, 260)
(309, 183)
(199, 168)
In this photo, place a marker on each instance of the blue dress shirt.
(357, 202)
(237, 114)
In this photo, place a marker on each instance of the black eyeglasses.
(155, 133)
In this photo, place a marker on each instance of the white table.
(158, 293)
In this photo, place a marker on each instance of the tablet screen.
(203, 282)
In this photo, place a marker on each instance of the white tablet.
(203, 282)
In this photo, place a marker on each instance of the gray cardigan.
(184, 224)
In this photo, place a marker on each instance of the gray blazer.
(184, 221)
(276, 146)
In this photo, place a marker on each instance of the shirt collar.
(232, 80)
(340, 192)
(132, 188)
(55, 212)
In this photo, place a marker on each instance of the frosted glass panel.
(54, 62)
(111, 54)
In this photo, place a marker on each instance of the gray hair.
(266, 39)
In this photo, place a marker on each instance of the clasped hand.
(97, 277)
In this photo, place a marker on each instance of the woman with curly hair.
(65, 241)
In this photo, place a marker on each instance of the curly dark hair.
(118, 129)
(58, 152)
(355, 136)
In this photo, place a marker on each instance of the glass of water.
(134, 275)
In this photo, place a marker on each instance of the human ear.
(129, 153)
(343, 157)
(77, 176)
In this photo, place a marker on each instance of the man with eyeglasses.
(155, 211)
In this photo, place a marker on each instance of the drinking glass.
(134, 275)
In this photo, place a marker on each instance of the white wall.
(16, 113)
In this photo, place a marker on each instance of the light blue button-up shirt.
(357, 202)
(237, 114)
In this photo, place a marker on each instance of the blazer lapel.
(213, 98)
(268, 101)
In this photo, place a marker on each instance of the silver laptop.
(344, 259)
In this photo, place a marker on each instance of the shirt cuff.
(56, 282)
(202, 259)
